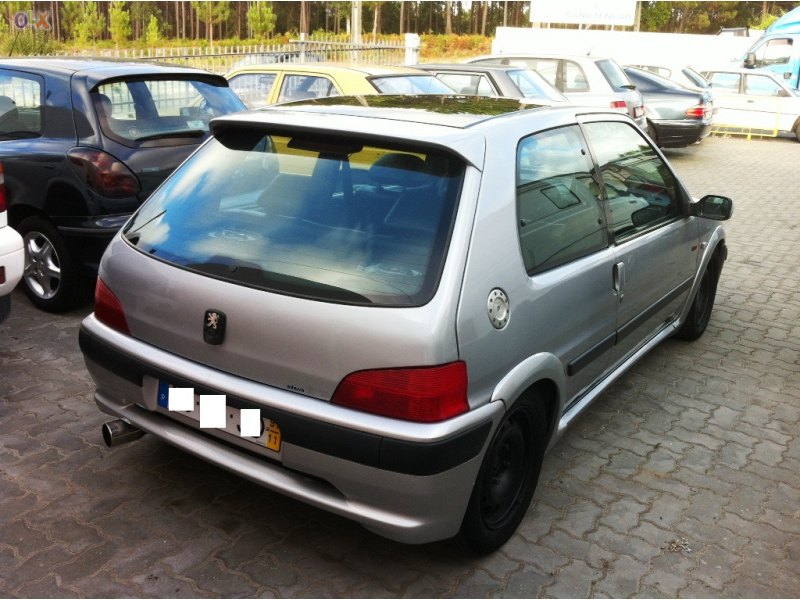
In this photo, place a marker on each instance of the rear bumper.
(675, 134)
(407, 482)
(87, 237)
(12, 259)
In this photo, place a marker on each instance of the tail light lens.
(3, 201)
(619, 105)
(108, 308)
(104, 173)
(696, 112)
(422, 395)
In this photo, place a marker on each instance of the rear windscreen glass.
(321, 217)
(613, 73)
(133, 111)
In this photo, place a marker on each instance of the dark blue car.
(82, 144)
(677, 116)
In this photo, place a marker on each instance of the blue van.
(778, 50)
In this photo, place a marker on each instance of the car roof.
(575, 57)
(477, 67)
(368, 70)
(429, 119)
(453, 111)
(99, 68)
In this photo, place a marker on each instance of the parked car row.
(386, 278)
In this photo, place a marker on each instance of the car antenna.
(14, 43)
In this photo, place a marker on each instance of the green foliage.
(120, 22)
(261, 20)
(71, 15)
(82, 21)
(655, 16)
(153, 34)
(765, 21)
(30, 42)
(212, 13)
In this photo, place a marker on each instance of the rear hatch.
(320, 254)
(152, 123)
(623, 87)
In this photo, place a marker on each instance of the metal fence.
(221, 59)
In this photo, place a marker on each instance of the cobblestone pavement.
(683, 480)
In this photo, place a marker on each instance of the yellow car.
(259, 85)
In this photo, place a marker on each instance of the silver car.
(391, 309)
(585, 80)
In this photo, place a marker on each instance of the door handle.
(619, 280)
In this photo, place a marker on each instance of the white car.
(12, 258)
(586, 80)
(754, 100)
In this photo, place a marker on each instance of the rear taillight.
(104, 173)
(696, 112)
(619, 105)
(2, 275)
(108, 308)
(423, 394)
(3, 201)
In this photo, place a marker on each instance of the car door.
(571, 308)
(769, 103)
(732, 106)
(655, 244)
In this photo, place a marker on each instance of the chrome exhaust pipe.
(120, 432)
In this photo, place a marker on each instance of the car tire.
(50, 279)
(507, 477)
(702, 305)
(797, 132)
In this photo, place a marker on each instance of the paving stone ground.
(681, 481)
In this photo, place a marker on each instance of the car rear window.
(321, 217)
(410, 84)
(613, 73)
(139, 110)
(533, 85)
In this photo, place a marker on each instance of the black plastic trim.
(633, 324)
(381, 452)
(583, 360)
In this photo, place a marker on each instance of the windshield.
(140, 110)
(322, 217)
(410, 84)
(533, 85)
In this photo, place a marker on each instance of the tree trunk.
(376, 22)
(448, 17)
(484, 13)
(402, 16)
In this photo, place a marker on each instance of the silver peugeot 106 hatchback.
(390, 307)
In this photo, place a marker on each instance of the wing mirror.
(750, 60)
(718, 208)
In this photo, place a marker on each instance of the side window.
(759, 85)
(574, 78)
(302, 87)
(559, 214)
(465, 83)
(253, 88)
(640, 190)
(20, 106)
(774, 52)
(728, 82)
(547, 68)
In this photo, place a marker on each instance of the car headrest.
(404, 170)
(7, 105)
